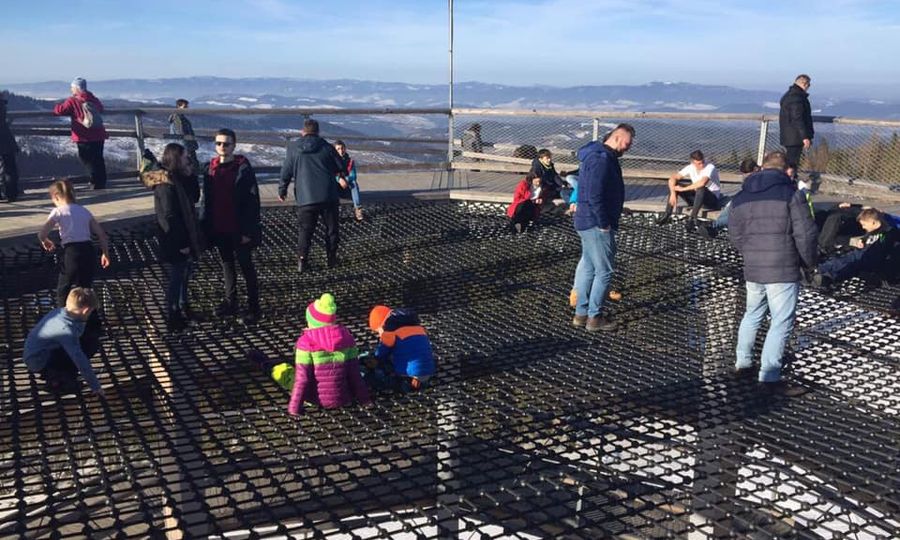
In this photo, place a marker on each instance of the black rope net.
(533, 428)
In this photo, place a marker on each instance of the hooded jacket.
(795, 117)
(312, 163)
(601, 189)
(405, 341)
(72, 108)
(771, 225)
(245, 197)
(326, 370)
(176, 223)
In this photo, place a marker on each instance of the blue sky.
(843, 44)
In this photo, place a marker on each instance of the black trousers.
(91, 156)
(696, 199)
(792, 156)
(79, 263)
(838, 227)
(524, 213)
(231, 249)
(9, 177)
(308, 218)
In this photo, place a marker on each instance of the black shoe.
(707, 231)
(226, 309)
(332, 261)
(302, 265)
(176, 322)
(821, 281)
(664, 219)
(595, 324)
(780, 388)
(744, 374)
(252, 316)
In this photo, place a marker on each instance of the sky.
(847, 46)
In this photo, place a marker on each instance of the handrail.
(230, 111)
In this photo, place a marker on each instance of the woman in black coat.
(175, 192)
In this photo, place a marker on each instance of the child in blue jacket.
(403, 358)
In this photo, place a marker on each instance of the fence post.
(596, 128)
(763, 135)
(139, 135)
(449, 150)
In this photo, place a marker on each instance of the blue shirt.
(59, 330)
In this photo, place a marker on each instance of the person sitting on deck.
(404, 359)
(697, 184)
(711, 230)
(60, 346)
(878, 251)
(526, 204)
(543, 167)
(326, 368)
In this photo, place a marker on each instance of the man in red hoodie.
(84, 109)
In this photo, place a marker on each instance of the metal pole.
(763, 135)
(139, 134)
(450, 116)
(596, 128)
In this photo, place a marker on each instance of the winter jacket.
(7, 140)
(601, 189)
(348, 167)
(245, 196)
(522, 194)
(771, 226)
(550, 179)
(173, 201)
(180, 125)
(327, 370)
(312, 163)
(795, 118)
(72, 108)
(405, 341)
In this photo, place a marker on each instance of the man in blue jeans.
(601, 197)
(770, 224)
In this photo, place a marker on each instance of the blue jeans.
(354, 193)
(868, 259)
(781, 300)
(595, 270)
(177, 293)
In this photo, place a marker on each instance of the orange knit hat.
(377, 316)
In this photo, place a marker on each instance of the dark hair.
(311, 127)
(543, 152)
(340, 143)
(697, 155)
(475, 127)
(171, 160)
(531, 176)
(228, 133)
(775, 160)
(870, 214)
(626, 127)
(748, 166)
(180, 102)
(526, 151)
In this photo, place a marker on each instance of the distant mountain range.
(346, 93)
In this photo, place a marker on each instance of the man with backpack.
(84, 110)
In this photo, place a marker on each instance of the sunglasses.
(223, 143)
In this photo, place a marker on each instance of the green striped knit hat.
(321, 312)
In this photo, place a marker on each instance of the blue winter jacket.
(770, 224)
(601, 189)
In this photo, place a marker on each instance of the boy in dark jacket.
(403, 358)
(231, 220)
(770, 224)
(543, 167)
(877, 251)
(313, 163)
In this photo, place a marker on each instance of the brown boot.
(579, 320)
(598, 323)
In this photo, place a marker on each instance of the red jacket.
(72, 108)
(522, 194)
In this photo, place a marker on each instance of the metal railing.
(846, 150)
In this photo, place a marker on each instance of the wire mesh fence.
(843, 150)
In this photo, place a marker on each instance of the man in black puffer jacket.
(771, 225)
(313, 163)
(795, 122)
